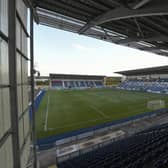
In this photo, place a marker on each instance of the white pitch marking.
(46, 117)
(99, 111)
(75, 124)
(94, 107)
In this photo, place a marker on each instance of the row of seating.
(76, 84)
(151, 80)
(146, 149)
(158, 86)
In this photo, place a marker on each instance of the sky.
(58, 51)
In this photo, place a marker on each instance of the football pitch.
(66, 110)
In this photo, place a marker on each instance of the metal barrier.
(37, 102)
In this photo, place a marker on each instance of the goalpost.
(155, 104)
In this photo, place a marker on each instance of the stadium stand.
(155, 86)
(145, 149)
(65, 81)
(110, 20)
(57, 84)
(153, 80)
(76, 84)
(98, 84)
(72, 84)
(87, 83)
(81, 84)
(66, 84)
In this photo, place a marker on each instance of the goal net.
(155, 104)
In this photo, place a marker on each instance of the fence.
(65, 153)
(37, 102)
(52, 141)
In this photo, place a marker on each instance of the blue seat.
(149, 146)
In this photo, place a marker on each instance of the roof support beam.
(13, 83)
(59, 5)
(148, 39)
(125, 13)
(156, 26)
(115, 2)
(32, 87)
(141, 4)
(96, 4)
(30, 5)
(155, 48)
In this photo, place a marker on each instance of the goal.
(155, 104)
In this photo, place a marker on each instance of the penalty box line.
(46, 116)
(92, 106)
(98, 111)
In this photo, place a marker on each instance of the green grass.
(74, 109)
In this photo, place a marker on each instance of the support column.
(85, 84)
(94, 84)
(13, 82)
(32, 86)
(74, 82)
(63, 85)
